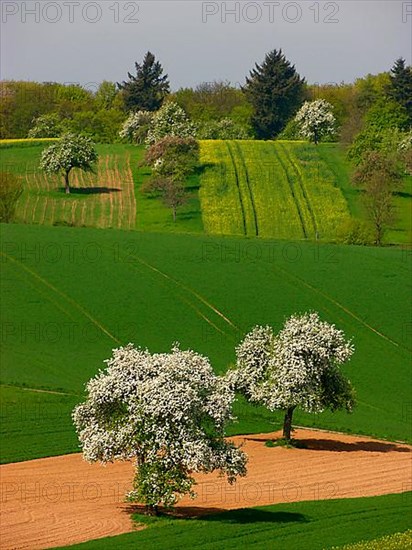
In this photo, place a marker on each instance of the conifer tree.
(401, 86)
(147, 90)
(276, 91)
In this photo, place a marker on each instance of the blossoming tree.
(170, 120)
(165, 411)
(316, 120)
(136, 126)
(299, 367)
(71, 151)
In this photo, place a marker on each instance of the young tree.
(167, 412)
(316, 120)
(71, 151)
(276, 91)
(170, 120)
(172, 159)
(172, 192)
(379, 175)
(147, 90)
(11, 189)
(400, 88)
(299, 367)
(136, 127)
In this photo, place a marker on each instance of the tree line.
(372, 117)
(263, 108)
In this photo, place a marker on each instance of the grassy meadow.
(70, 295)
(280, 190)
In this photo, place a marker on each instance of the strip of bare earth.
(63, 500)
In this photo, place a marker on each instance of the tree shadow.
(402, 194)
(240, 516)
(91, 190)
(256, 515)
(180, 512)
(201, 168)
(342, 446)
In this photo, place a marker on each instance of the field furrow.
(102, 199)
(328, 205)
(246, 188)
(219, 197)
(274, 189)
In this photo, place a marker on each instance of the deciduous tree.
(170, 120)
(299, 367)
(71, 151)
(166, 412)
(172, 160)
(316, 120)
(136, 127)
(379, 175)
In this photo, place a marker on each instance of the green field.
(316, 525)
(108, 198)
(69, 295)
(270, 189)
(281, 190)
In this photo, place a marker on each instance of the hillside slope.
(270, 189)
(70, 295)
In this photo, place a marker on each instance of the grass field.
(70, 295)
(109, 198)
(316, 525)
(282, 190)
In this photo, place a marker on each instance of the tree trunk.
(379, 234)
(152, 510)
(174, 214)
(287, 423)
(66, 182)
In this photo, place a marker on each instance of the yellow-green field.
(270, 189)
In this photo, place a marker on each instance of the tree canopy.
(166, 412)
(299, 367)
(316, 120)
(276, 91)
(71, 151)
(147, 90)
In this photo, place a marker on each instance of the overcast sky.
(87, 42)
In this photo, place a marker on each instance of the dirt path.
(63, 500)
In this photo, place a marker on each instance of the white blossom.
(170, 120)
(136, 126)
(316, 120)
(299, 367)
(165, 411)
(71, 151)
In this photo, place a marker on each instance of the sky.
(197, 41)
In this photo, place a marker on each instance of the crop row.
(327, 203)
(269, 189)
(105, 199)
(219, 193)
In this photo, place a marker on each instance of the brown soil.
(63, 500)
